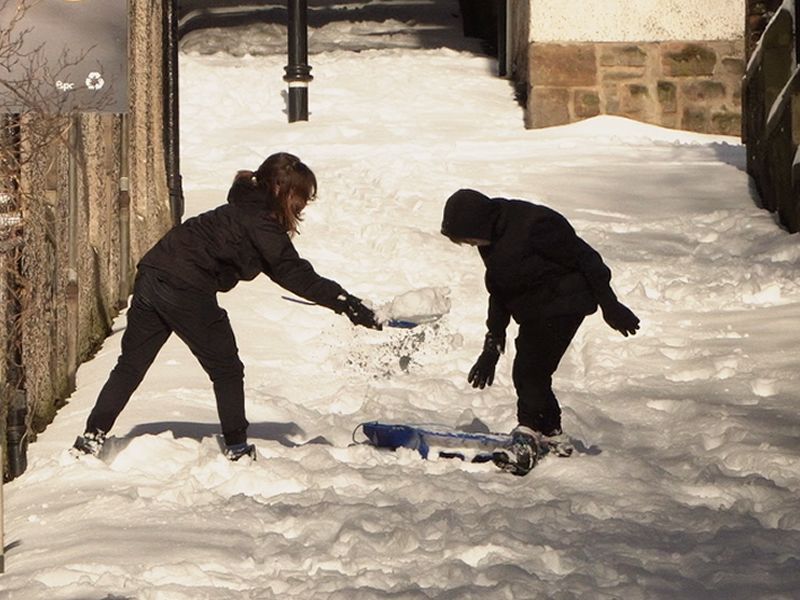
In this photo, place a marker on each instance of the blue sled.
(497, 448)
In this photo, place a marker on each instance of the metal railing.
(771, 110)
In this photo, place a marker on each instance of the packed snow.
(686, 476)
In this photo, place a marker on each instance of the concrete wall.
(636, 20)
(676, 63)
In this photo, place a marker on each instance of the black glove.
(620, 317)
(358, 314)
(482, 372)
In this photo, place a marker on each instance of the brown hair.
(288, 184)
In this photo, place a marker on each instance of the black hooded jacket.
(536, 265)
(235, 242)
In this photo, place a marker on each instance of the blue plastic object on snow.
(447, 441)
(401, 324)
(516, 454)
(385, 435)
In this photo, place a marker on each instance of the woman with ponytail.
(178, 280)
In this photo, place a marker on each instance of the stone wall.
(71, 254)
(685, 85)
(98, 194)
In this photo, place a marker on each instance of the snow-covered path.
(688, 473)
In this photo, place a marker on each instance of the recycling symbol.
(94, 81)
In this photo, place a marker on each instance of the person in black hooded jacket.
(548, 279)
(178, 279)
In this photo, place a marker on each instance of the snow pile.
(687, 467)
(352, 25)
(416, 306)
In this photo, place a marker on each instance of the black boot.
(90, 443)
(234, 452)
(522, 455)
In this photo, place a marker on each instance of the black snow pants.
(540, 346)
(159, 308)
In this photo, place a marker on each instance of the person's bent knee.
(230, 372)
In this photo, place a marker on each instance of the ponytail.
(245, 177)
(288, 185)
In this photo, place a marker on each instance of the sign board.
(71, 55)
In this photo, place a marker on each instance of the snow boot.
(557, 443)
(90, 443)
(522, 455)
(234, 452)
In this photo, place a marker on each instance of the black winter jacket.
(536, 265)
(235, 242)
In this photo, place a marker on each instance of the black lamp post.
(298, 73)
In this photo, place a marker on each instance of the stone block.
(726, 123)
(669, 120)
(667, 93)
(688, 60)
(695, 119)
(618, 75)
(635, 99)
(622, 56)
(703, 91)
(612, 102)
(586, 103)
(548, 107)
(733, 66)
(563, 65)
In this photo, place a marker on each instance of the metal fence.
(771, 106)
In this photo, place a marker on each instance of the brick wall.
(694, 86)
